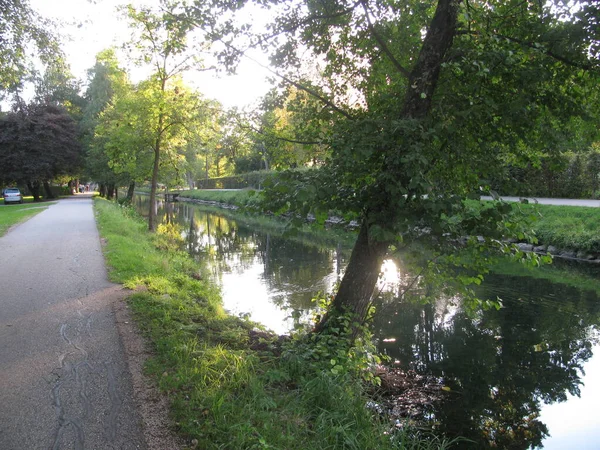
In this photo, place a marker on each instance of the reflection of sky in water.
(246, 291)
(575, 424)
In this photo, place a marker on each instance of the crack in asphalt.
(78, 372)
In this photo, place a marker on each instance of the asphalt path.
(64, 382)
(551, 201)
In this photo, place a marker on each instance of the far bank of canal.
(513, 374)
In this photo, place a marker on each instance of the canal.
(522, 376)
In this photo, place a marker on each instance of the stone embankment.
(560, 252)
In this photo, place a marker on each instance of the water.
(515, 375)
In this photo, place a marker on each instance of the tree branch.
(382, 43)
(279, 138)
(287, 80)
(548, 53)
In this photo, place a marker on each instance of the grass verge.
(572, 227)
(231, 385)
(241, 197)
(13, 214)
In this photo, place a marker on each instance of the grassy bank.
(568, 227)
(572, 227)
(230, 385)
(13, 214)
(236, 197)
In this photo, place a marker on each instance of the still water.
(523, 376)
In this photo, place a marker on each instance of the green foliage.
(235, 197)
(568, 175)
(106, 80)
(22, 31)
(37, 144)
(425, 104)
(253, 180)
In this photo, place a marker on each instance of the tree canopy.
(427, 102)
(38, 144)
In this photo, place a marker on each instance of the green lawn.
(233, 197)
(13, 214)
(573, 227)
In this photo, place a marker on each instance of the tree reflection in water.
(500, 365)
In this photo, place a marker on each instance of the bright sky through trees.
(91, 26)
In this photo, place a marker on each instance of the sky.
(93, 25)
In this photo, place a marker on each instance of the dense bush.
(569, 175)
(252, 180)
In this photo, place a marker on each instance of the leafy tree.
(22, 30)
(106, 81)
(292, 129)
(159, 40)
(446, 92)
(38, 144)
(57, 86)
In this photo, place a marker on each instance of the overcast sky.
(95, 25)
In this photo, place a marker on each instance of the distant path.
(552, 201)
(64, 382)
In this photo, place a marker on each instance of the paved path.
(64, 382)
(552, 201)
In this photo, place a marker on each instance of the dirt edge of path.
(153, 405)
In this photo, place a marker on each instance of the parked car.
(12, 195)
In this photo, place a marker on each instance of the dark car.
(12, 195)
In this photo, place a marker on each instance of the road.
(64, 382)
(552, 201)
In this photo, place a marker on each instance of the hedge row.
(569, 175)
(253, 180)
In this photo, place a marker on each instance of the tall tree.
(444, 92)
(160, 40)
(107, 81)
(37, 144)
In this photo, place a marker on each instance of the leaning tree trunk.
(358, 284)
(48, 191)
(157, 144)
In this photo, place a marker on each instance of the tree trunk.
(34, 188)
(358, 284)
(102, 190)
(110, 191)
(48, 191)
(130, 191)
(152, 213)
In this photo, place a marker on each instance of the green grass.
(239, 197)
(572, 227)
(225, 392)
(13, 214)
